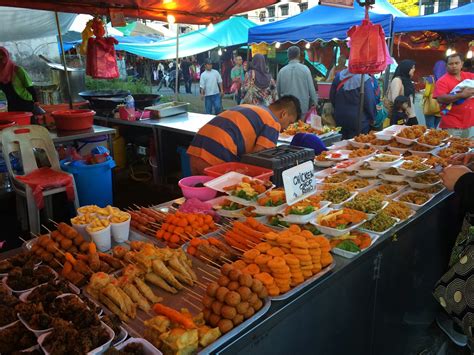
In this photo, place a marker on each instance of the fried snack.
(384, 158)
(341, 219)
(381, 222)
(357, 184)
(430, 140)
(365, 138)
(336, 178)
(136, 296)
(414, 166)
(428, 178)
(386, 189)
(120, 217)
(336, 195)
(158, 281)
(146, 290)
(88, 209)
(361, 152)
(83, 219)
(412, 132)
(97, 225)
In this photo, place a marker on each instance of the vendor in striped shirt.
(241, 130)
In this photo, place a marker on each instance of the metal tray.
(136, 327)
(304, 284)
(168, 109)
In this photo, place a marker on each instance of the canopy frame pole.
(361, 105)
(177, 65)
(391, 41)
(63, 59)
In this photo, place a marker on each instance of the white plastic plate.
(229, 179)
(349, 254)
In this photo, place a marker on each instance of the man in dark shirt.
(185, 64)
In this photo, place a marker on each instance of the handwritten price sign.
(299, 182)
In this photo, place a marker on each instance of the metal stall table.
(171, 132)
(371, 304)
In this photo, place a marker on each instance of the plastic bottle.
(130, 102)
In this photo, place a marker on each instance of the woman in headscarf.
(16, 84)
(431, 108)
(402, 85)
(345, 98)
(259, 87)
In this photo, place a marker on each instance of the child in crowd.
(399, 114)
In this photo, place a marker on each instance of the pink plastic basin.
(201, 193)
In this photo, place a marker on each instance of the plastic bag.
(369, 53)
(101, 58)
(46, 178)
(313, 118)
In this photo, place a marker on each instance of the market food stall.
(355, 260)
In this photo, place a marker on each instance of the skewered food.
(211, 249)
(244, 234)
(180, 227)
(381, 222)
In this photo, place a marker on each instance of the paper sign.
(338, 3)
(117, 18)
(299, 182)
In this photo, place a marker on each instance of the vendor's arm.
(464, 188)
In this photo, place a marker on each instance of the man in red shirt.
(459, 120)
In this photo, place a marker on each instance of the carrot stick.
(174, 316)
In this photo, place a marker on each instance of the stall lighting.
(450, 51)
(171, 19)
(469, 54)
(308, 45)
(210, 27)
(277, 45)
(219, 51)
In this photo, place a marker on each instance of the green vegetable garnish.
(341, 226)
(348, 245)
(302, 212)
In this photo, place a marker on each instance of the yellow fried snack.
(119, 217)
(82, 219)
(107, 211)
(97, 225)
(88, 209)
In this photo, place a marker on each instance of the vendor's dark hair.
(399, 101)
(454, 55)
(289, 100)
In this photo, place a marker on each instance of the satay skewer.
(54, 222)
(192, 291)
(197, 298)
(205, 278)
(191, 303)
(208, 273)
(49, 231)
(212, 262)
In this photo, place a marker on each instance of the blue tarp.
(323, 23)
(72, 39)
(228, 33)
(459, 20)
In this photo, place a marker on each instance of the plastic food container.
(269, 211)
(412, 205)
(229, 179)
(121, 231)
(73, 120)
(368, 173)
(148, 348)
(419, 185)
(19, 292)
(383, 232)
(217, 202)
(24, 296)
(37, 332)
(99, 350)
(339, 205)
(253, 171)
(411, 173)
(81, 229)
(324, 163)
(350, 254)
(189, 190)
(306, 218)
(398, 150)
(102, 238)
(392, 178)
(20, 118)
(357, 144)
(333, 232)
(383, 164)
(405, 141)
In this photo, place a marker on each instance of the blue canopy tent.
(228, 33)
(459, 20)
(323, 23)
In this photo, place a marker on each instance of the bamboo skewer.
(45, 228)
(58, 262)
(201, 286)
(212, 262)
(208, 273)
(54, 222)
(205, 278)
(190, 290)
(25, 241)
(192, 304)
(227, 260)
(194, 296)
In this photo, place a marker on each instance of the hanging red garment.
(368, 49)
(46, 178)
